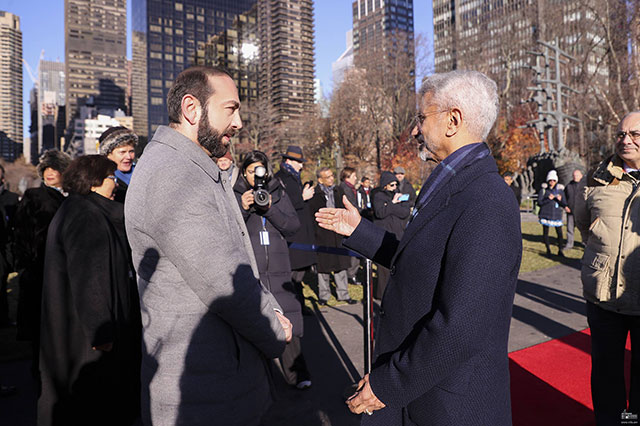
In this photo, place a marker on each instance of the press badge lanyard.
(264, 234)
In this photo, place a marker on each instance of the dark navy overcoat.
(441, 345)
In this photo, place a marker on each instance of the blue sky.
(42, 24)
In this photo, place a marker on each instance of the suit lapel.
(442, 197)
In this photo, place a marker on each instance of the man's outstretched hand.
(341, 221)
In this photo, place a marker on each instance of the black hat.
(386, 178)
(55, 159)
(294, 152)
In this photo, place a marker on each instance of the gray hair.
(475, 94)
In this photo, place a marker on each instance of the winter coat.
(31, 223)
(405, 187)
(551, 209)
(300, 259)
(89, 298)
(350, 192)
(8, 204)
(390, 217)
(280, 221)
(440, 354)
(572, 193)
(365, 206)
(328, 262)
(209, 324)
(609, 211)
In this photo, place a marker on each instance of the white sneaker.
(305, 384)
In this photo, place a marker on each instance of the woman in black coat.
(552, 202)
(269, 224)
(390, 214)
(90, 330)
(31, 222)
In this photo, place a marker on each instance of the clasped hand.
(364, 400)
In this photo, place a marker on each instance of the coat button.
(242, 233)
(381, 312)
(392, 271)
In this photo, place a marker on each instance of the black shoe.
(350, 301)
(322, 302)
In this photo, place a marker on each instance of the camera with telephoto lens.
(260, 193)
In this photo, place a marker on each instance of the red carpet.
(550, 382)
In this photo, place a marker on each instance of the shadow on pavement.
(332, 372)
(556, 299)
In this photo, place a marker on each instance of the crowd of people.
(169, 290)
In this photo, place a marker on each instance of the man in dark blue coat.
(441, 344)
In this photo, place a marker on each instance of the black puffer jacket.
(281, 222)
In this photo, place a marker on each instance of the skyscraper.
(167, 38)
(95, 54)
(287, 64)
(51, 102)
(381, 27)
(344, 62)
(10, 86)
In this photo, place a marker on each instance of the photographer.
(270, 218)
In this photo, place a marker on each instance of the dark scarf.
(351, 187)
(290, 169)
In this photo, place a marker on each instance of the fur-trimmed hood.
(54, 159)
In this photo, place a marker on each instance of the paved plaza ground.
(548, 305)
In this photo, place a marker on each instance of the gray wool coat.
(209, 325)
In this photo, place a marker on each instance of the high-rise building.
(492, 37)
(11, 136)
(51, 102)
(287, 56)
(344, 62)
(167, 38)
(95, 54)
(381, 27)
(237, 50)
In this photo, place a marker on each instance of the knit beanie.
(115, 137)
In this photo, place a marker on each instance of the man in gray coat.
(209, 325)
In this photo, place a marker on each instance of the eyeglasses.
(420, 117)
(633, 134)
(115, 179)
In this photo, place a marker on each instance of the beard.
(424, 153)
(210, 138)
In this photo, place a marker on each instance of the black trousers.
(545, 236)
(609, 331)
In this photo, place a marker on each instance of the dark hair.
(192, 81)
(85, 172)
(365, 178)
(346, 172)
(256, 157)
(321, 170)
